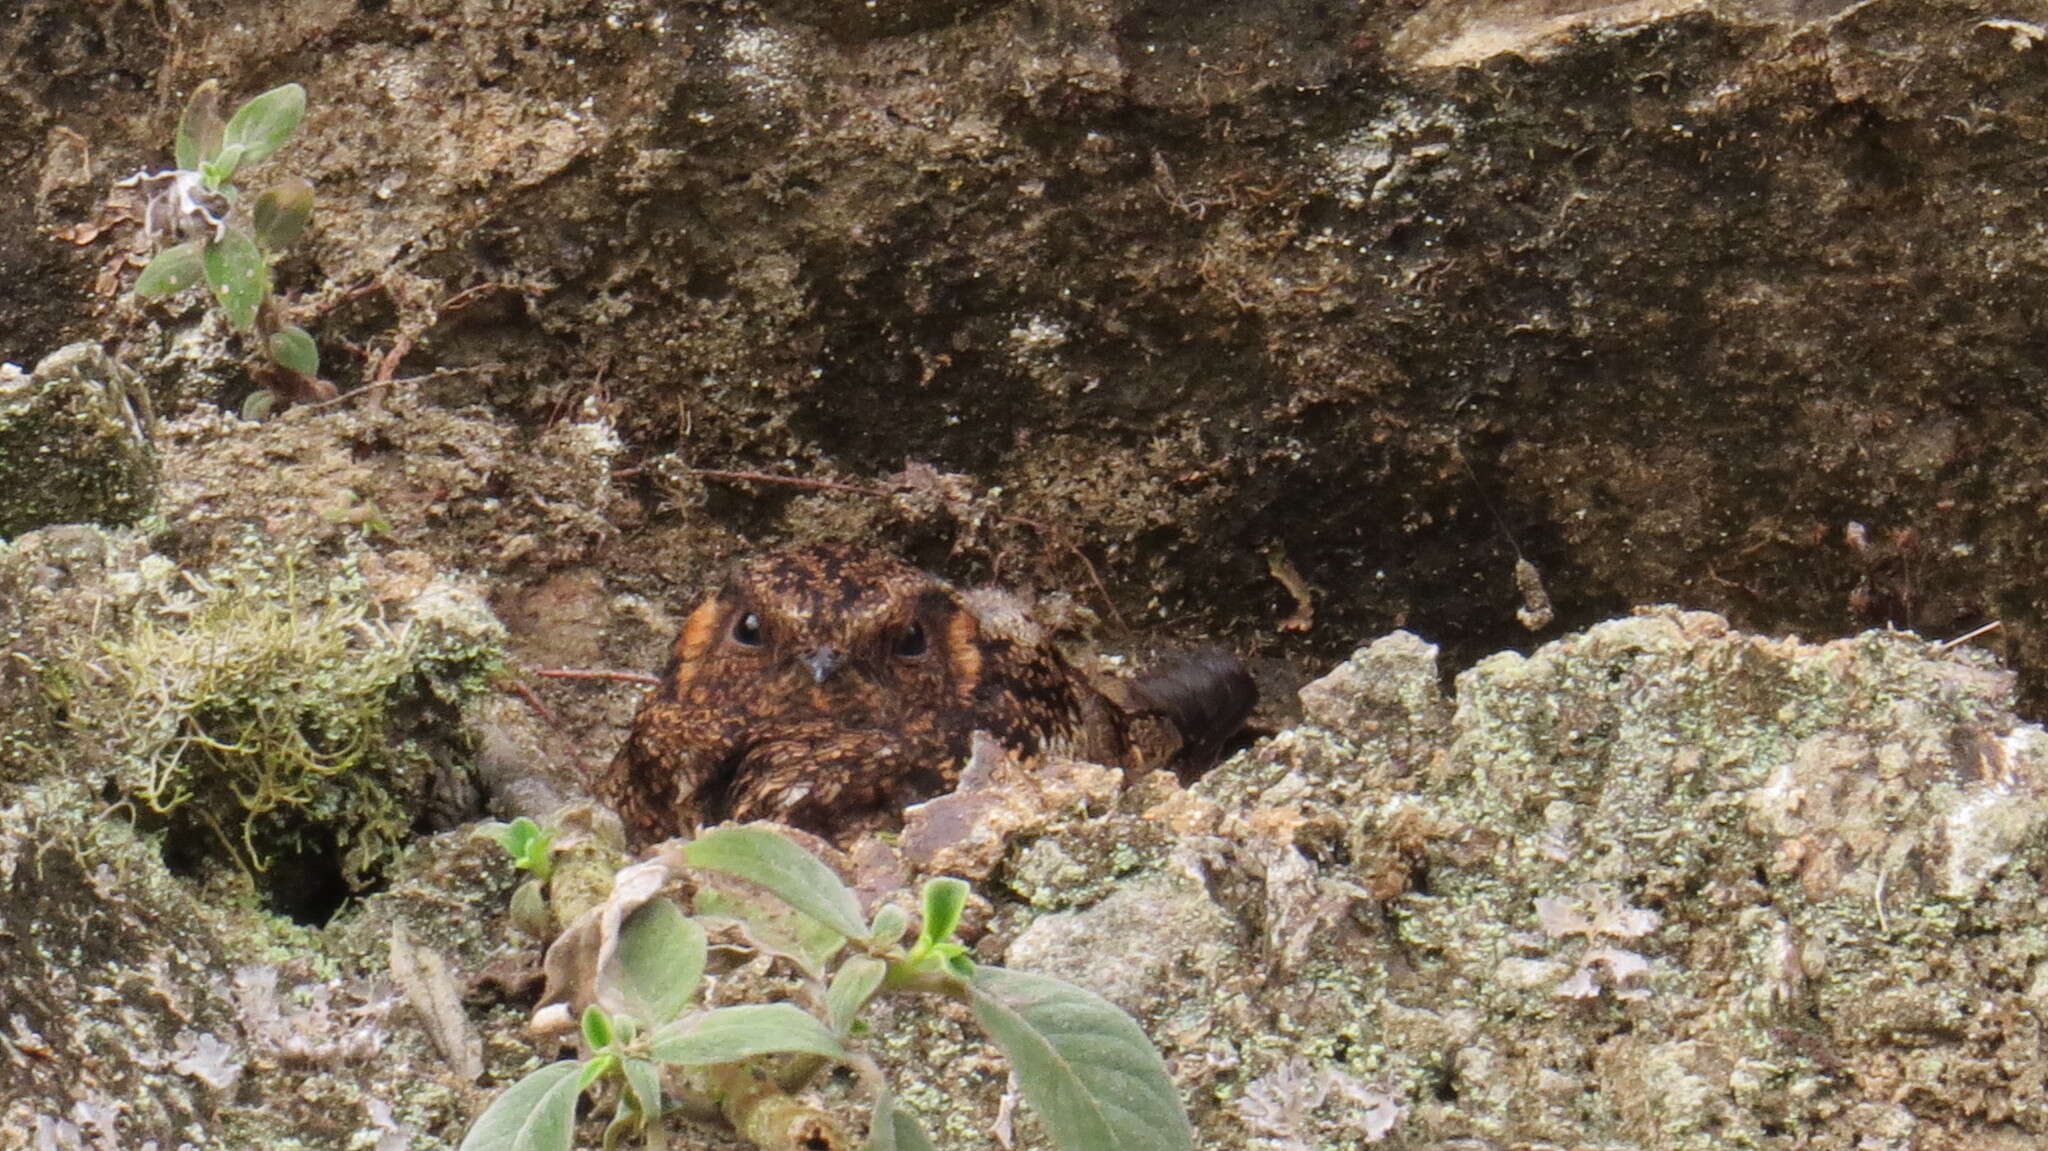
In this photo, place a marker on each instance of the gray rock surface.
(1659, 883)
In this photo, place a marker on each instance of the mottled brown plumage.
(830, 686)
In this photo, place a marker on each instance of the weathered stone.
(1394, 683)
(74, 442)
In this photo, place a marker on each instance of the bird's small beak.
(823, 662)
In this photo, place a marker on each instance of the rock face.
(1339, 317)
(1720, 302)
(1658, 884)
(74, 442)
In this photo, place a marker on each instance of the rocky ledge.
(1658, 883)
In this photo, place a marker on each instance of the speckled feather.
(858, 694)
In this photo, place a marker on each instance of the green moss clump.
(278, 714)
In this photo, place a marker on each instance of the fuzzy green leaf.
(239, 277)
(1082, 1062)
(887, 929)
(538, 1113)
(728, 1034)
(852, 985)
(639, 1103)
(529, 909)
(531, 848)
(295, 351)
(281, 213)
(262, 126)
(944, 898)
(200, 128)
(661, 960)
(256, 407)
(597, 1028)
(216, 173)
(514, 837)
(643, 1085)
(173, 270)
(597, 1069)
(893, 1129)
(774, 926)
(792, 874)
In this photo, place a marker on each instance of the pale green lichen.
(1656, 884)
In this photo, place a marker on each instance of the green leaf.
(625, 1124)
(774, 926)
(256, 407)
(893, 1129)
(639, 1103)
(597, 1069)
(852, 985)
(639, 1107)
(200, 128)
(530, 847)
(597, 1028)
(515, 836)
(529, 909)
(215, 173)
(538, 1113)
(944, 897)
(1082, 1062)
(262, 126)
(887, 929)
(643, 1085)
(281, 213)
(295, 351)
(729, 1034)
(173, 270)
(792, 874)
(236, 272)
(661, 960)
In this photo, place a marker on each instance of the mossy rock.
(276, 718)
(74, 444)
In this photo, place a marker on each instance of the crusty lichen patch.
(73, 442)
(1658, 884)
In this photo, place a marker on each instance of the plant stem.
(764, 1115)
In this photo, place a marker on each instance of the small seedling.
(533, 851)
(220, 237)
(1080, 1060)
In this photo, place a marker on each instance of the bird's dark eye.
(746, 631)
(911, 644)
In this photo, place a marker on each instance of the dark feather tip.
(1207, 695)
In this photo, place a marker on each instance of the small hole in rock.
(307, 886)
(303, 882)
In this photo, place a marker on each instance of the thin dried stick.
(581, 673)
(1968, 636)
(531, 700)
(792, 482)
(436, 374)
